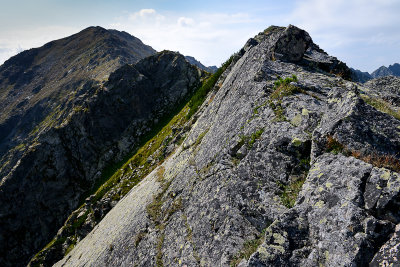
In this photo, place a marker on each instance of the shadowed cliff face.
(40, 89)
(103, 123)
(38, 83)
(286, 163)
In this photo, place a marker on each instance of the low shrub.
(282, 87)
(374, 158)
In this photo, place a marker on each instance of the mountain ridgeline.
(392, 70)
(193, 61)
(93, 123)
(278, 158)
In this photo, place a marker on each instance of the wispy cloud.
(344, 26)
(345, 14)
(363, 33)
(210, 37)
(145, 15)
(11, 43)
(6, 53)
(185, 22)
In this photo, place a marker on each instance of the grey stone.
(240, 188)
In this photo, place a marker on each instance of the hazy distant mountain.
(381, 72)
(392, 70)
(197, 63)
(360, 76)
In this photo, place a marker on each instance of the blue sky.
(364, 34)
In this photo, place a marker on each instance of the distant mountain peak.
(197, 63)
(382, 71)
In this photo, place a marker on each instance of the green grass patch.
(381, 105)
(290, 192)
(20, 147)
(250, 140)
(282, 88)
(199, 138)
(278, 111)
(255, 136)
(249, 247)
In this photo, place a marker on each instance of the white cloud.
(346, 14)
(145, 15)
(6, 53)
(211, 38)
(13, 41)
(342, 26)
(185, 22)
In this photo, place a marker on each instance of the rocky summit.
(276, 159)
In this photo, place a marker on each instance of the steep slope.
(37, 83)
(285, 165)
(41, 88)
(105, 122)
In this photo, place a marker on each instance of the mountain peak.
(279, 166)
(37, 80)
(383, 71)
(276, 159)
(292, 44)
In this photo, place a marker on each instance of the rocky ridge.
(286, 163)
(106, 122)
(39, 86)
(41, 89)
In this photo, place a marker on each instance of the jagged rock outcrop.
(385, 88)
(286, 164)
(105, 123)
(291, 44)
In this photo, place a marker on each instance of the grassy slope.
(119, 179)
